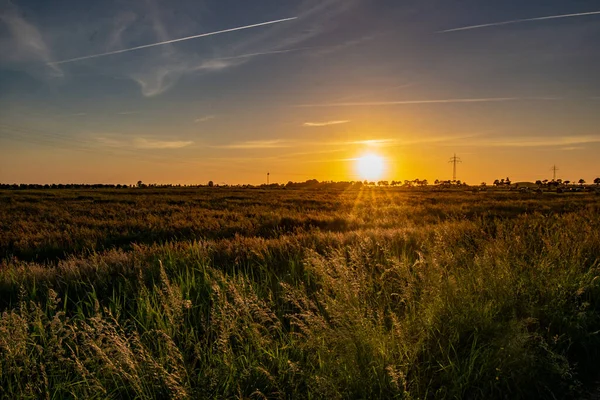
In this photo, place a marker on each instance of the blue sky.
(301, 98)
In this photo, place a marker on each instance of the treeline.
(311, 183)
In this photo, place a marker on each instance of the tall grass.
(475, 307)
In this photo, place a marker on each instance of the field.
(298, 293)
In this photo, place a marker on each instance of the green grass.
(299, 294)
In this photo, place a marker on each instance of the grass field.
(363, 293)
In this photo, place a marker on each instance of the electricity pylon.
(454, 160)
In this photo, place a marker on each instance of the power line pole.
(454, 160)
(554, 169)
(268, 173)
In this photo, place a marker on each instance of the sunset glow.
(370, 166)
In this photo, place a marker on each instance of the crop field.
(367, 293)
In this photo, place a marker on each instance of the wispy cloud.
(517, 21)
(157, 71)
(325, 123)
(162, 43)
(128, 112)
(166, 69)
(26, 44)
(204, 119)
(392, 142)
(375, 142)
(407, 102)
(264, 53)
(257, 144)
(143, 143)
(567, 141)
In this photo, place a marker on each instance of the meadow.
(362, 293)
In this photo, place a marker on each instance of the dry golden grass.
(338, 294)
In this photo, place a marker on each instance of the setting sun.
(370, 166)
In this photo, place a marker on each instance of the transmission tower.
(454, 160)
(554, 169)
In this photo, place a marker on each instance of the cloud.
(121, 23)
(143, 143)
(375, 142)
(204, 119)
(568, 141)
(407, 102)
(326, 123)
(166, 69)
(26, 44)
(342, 46)
(393, 142)
(517, 21)
(257, 144)
(160, 63)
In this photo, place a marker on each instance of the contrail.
(516, 21)
(393, 103)
(266, 53)
(172, 41)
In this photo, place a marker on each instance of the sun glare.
(370, 166)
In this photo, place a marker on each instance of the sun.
(370, 166)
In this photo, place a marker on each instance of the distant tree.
(545, 181)
(538, 182)
(597, 181)
(424, 182)
(211, 184)
(140, 184)
(496, 182)
(567, 182)
(582, 181)
(507, 181)
(436, 182)
(483, 184)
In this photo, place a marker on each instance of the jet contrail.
(394, 103)
(516, 21)
(171, 41)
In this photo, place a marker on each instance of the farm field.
(298, 293)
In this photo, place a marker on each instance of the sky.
(187, 91)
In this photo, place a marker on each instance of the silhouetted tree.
(211, 184)
(597, 181)
(582, 181)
